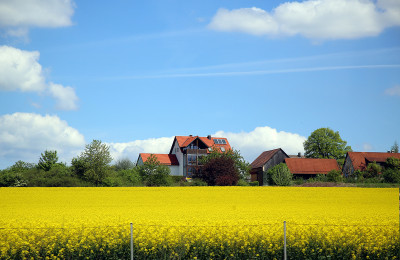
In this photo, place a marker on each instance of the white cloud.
(65, 96)
(249, 20)
(21, 71)
(19, 15)
(395, 91)
(131, 150)
(367, 147)
(251, 144)
(314, 19)
(24, 136)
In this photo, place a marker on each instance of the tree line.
(92, 168)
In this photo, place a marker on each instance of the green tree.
(373, 170)
(395, 147)
(123, 164)
(21, 166)
(279, 175)
(47, 160)
(154, 173)
(240, 164)
(391, 173)
(93, 163)
(326, 143)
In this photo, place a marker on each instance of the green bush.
(321, 178)
(11, 179)
(160, 177)
(254, 183)
(198, 182)
(279, 175)
(373, 170)
(242, 182)
(334, 176)
(391, 175)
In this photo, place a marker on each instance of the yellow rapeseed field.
(199, 222)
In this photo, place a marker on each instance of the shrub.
(198, 182)
(254, 183)
(242, 182)
(160, 178)
(391, 175)
(321, 178)
(11, 179)
(334, 176)
(373, 170)
(279, 175)
(298, 181)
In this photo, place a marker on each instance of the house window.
(191, 159)
(191, 172)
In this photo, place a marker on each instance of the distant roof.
(165, 159)
(360, 159)
(184, 141)
(264, 157)
(311, 166)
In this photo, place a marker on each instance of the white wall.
(179, 156)
(175, 170)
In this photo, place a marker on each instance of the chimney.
(209, 137)
(190, 135)
(299, 155)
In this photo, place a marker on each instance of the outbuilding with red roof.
(310, 167)
(359, 160)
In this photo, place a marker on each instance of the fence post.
(131, 241)
(284, 241)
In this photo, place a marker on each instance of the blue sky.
(133, 74)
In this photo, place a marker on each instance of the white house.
(183, 158)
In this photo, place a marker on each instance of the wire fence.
(275, 236)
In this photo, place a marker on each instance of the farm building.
(310, 167)
(264, 161)
(183, 157)
(360, 160)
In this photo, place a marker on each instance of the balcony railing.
(196, 151)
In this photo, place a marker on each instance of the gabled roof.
(264, 157)
(165, 159)
(311, 166)
(184, 141)
(360, 159)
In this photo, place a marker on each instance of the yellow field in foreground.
(258, 211)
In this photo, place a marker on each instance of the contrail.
(256, 72)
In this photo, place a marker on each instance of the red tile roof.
(359, 159)
(263, 158)
(165, 159)
(311, 166)
(184, 141)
